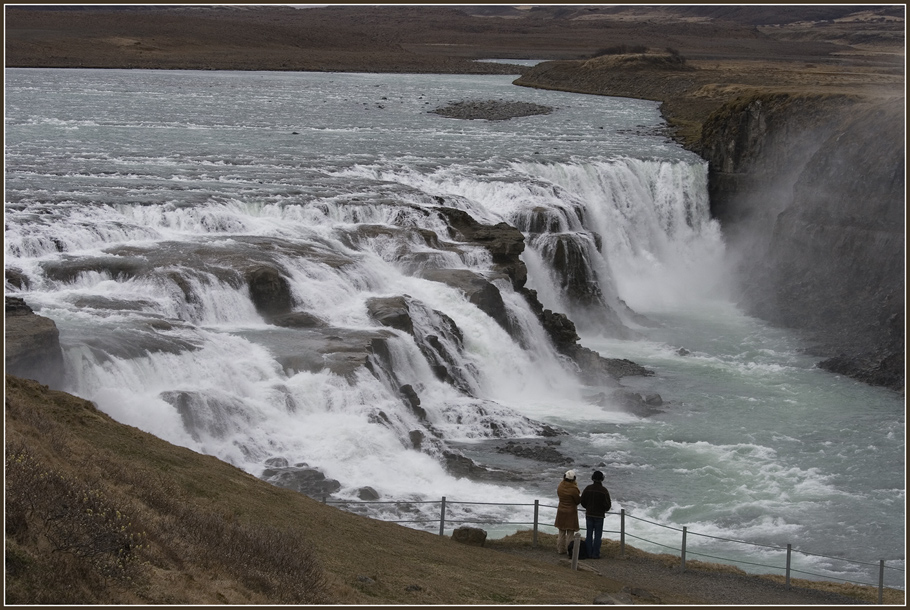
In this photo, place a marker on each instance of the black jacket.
(596, 500)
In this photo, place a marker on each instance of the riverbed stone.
(490, 110)
(474, 536)
(300, 477)
(270, 291)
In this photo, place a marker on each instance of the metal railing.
(623, 533)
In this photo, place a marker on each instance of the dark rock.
(460, 466)
(379, 417)
(392, 312)
(568, 254)
(444, 358)
(635, 403)
(683, 351)
(596, 369)
(490, 110)
(885, 368)
(479, 291)
(417, 438)
(469, 535)
(269, 291)
(17, 279)
(536, 451)
(413, 588)
(412, 400)
(367, 494)
(68, 269)
(32, 345)
(504, 242)
(653, 400)
(297, 319)
(562, 332)
(339, 350)
(301, 478)
(17, 307)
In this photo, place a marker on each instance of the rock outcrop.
(490, 110)
(32, 345)
(506, 243)
(299, 477)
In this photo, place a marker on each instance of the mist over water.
(131, 198)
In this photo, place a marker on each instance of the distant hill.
(409, 38)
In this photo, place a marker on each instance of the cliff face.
(32, 345)
(810, 190)
(808, 186)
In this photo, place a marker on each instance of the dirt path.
(643, 580)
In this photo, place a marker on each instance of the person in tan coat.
(567, 511)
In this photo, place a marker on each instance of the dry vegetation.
(119, 516)
(102, 513)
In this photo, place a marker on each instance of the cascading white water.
(139, 204)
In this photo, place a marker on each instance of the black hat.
(597, 476)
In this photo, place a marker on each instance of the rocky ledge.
(490, 110)
(32, 344)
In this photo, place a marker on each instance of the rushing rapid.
(142, 206)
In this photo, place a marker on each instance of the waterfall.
(596, 230)
(279, 304)
(165, 333)
(161, 327)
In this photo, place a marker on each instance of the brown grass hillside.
(170, 526)
(102, 513)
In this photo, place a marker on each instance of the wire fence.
(684, 550)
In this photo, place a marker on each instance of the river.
(135, 198)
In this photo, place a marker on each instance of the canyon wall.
(809, 189)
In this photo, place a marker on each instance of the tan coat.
(567, 511)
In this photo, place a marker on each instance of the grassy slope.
(157, 484)
(209, 533)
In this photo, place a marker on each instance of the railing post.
(789, 548)
(682, 566)
(881, 580)
(536, 509)
(575, 550)
(622, 533)
(442, 517)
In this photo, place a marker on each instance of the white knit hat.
(570, 475)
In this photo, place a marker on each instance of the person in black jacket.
(596, 500)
